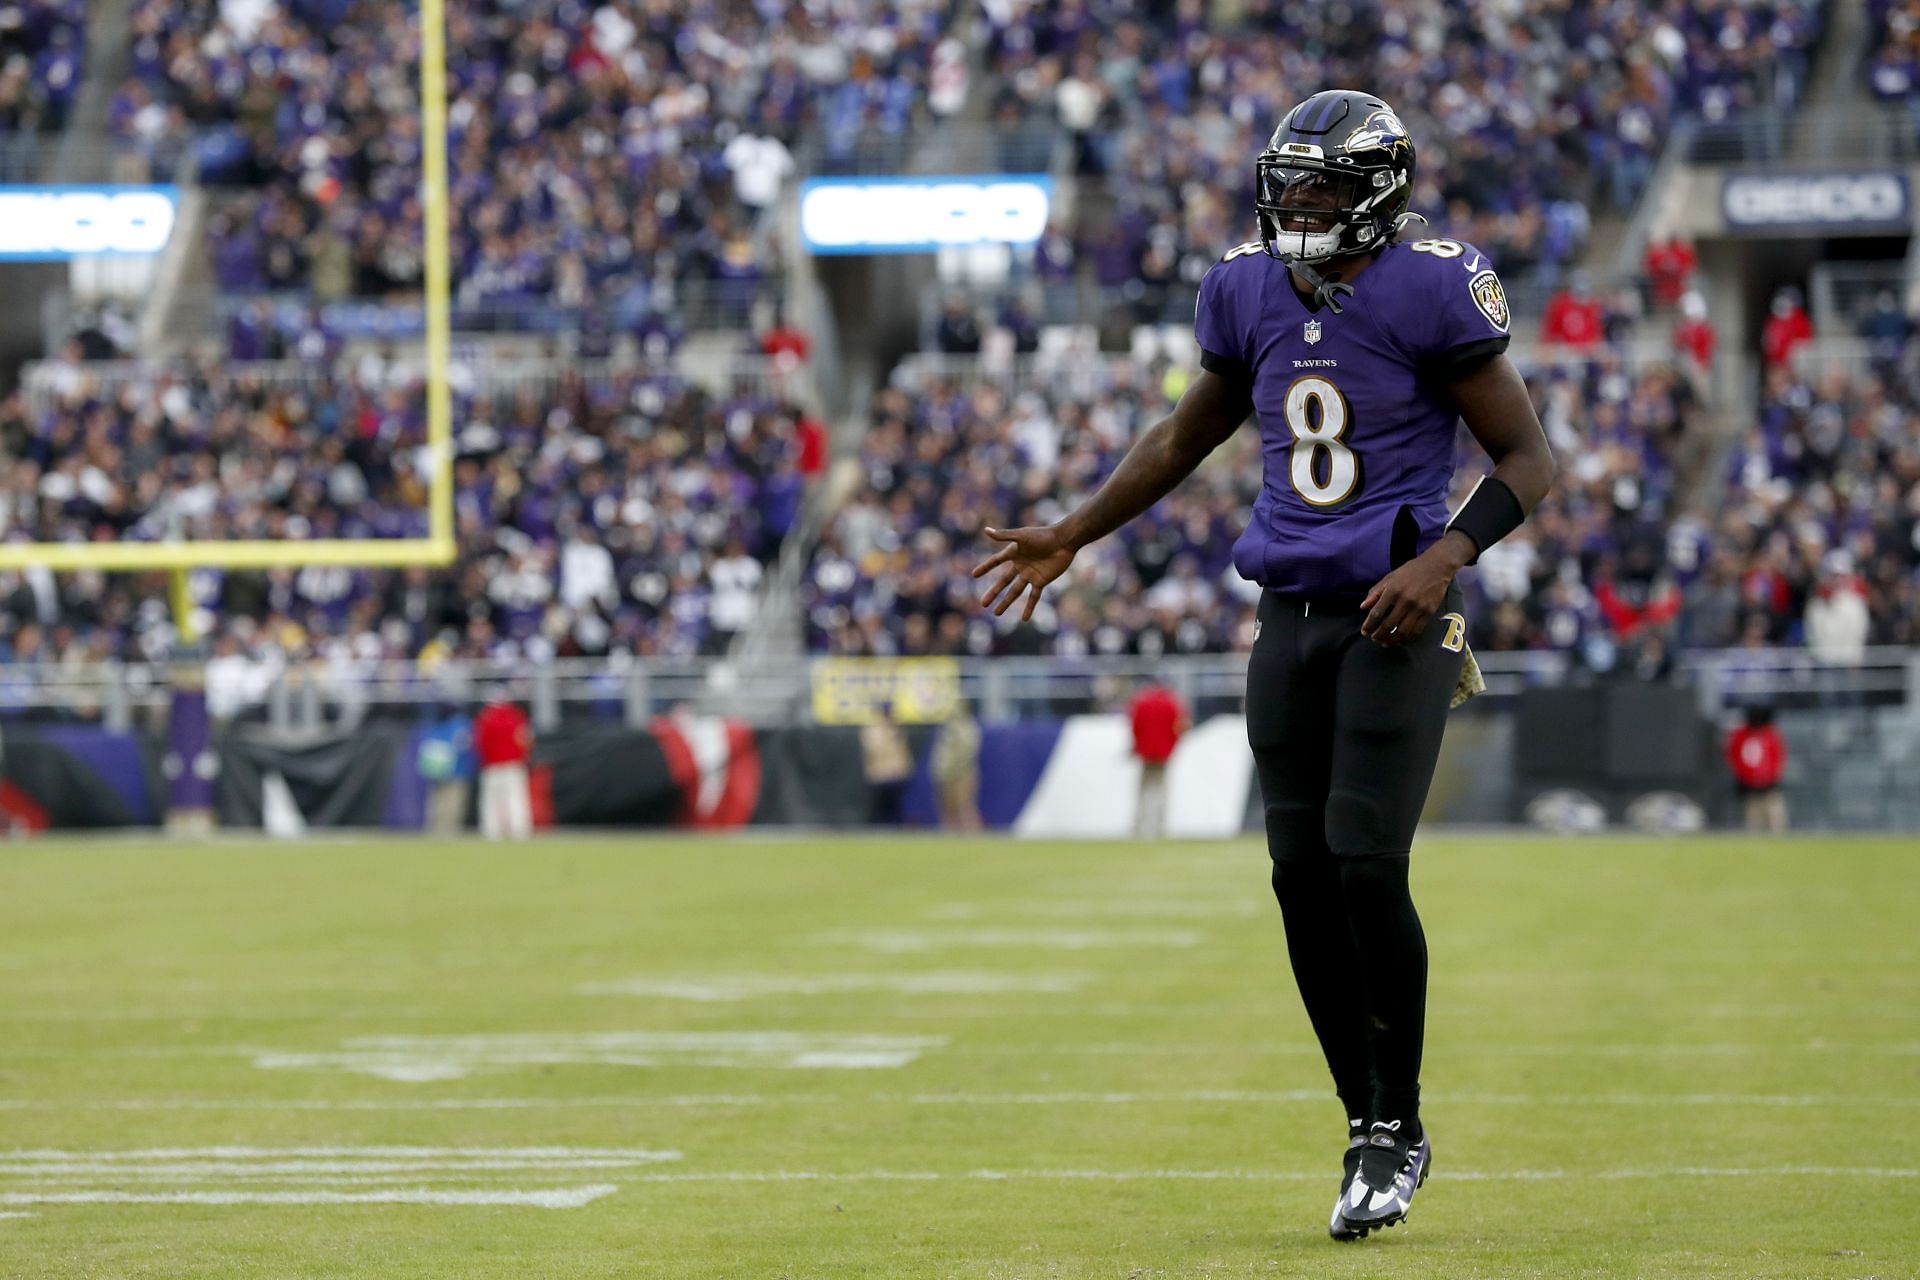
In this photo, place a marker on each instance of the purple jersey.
(1356, 426)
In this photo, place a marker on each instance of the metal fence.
(471, 372)
(1079, 364)
(624, 688)
(691, 305)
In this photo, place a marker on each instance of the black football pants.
(1345, 734)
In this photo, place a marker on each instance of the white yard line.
(1263, 1175)
(424, 1059)
(962, 1098)
(1142, 908)
(748, 986)
(360, 1153)
(205, 1170)
(552, 1198)
(904, 941)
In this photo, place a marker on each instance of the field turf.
(916, 1057)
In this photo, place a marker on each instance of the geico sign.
(905, 216)
(1833, 199)
(56, 223)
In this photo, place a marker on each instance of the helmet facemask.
(1311, 212)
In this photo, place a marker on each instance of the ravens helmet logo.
(1380, 129)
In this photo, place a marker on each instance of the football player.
(1358, 342)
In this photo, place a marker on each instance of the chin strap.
(1325, 292)
(1404, 222)
(1329, 292)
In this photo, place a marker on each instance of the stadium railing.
(1826, 135)
(318, 693)
(46, 381)
(1099, 369)
(692, 306)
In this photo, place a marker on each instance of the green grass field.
(930, 1058)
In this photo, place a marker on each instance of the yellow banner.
(856, 690)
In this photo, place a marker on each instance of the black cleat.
(1391, 1170)
(1356, 1143)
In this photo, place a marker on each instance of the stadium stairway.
(84, 155)
(1834, 86)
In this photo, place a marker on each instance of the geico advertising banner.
(922, 215)
(909, 690)
(1838, 202)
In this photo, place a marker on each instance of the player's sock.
(1321, 947)
(1393, 981)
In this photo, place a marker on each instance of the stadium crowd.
(621, 154)
(1822, 519)
(618, 154)
(629, 513)
(1526, 113)
(948, 453)
(42, 51)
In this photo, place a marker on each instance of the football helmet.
(1335, 178)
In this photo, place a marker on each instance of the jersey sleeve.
(1467, 317)
(1223, 345)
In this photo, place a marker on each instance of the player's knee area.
(1375, 881)
(1363, 825)
(1294, 837)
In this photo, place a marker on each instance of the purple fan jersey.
(1356, 425)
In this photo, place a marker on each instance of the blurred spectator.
(956, 771)
(503, 746)
(447, 763)
(735, 579)
(1886, 327)
(810, 445)
(785, 339)
(1574, 317)
(1693, 333)
(1837, 617)
(1670, 264)
(1787, 329)
(1158, 717)
(889, 767)
(235, 680)
(761, 166)
(959, 330)
(1757, 755)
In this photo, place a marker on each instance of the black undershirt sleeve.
(1233, 370)
(1455, 361)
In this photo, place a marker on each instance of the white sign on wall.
(922, 215)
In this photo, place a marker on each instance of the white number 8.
(1309, 398)
(1439, 248)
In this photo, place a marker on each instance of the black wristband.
(1490, 513)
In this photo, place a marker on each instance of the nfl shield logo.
(1313, 332)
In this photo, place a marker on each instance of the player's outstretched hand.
(1402, 603)
(1031, 559)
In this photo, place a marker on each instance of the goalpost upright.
(437, 548)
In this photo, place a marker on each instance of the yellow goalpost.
(437, 548)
